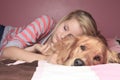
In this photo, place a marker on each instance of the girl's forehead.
(74, 26)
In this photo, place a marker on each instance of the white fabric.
(47, 71)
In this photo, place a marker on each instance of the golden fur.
(82, 50)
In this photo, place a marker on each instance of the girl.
(15, 40)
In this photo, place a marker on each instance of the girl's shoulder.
(46, 20)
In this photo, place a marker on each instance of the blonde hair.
(85, 20)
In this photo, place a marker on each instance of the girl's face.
(71, 26)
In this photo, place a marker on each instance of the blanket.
(16, 72)
(47, 71)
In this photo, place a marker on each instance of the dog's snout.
(78, 62)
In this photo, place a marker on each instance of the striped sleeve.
(33, 32)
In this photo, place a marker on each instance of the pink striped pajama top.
(36, 32)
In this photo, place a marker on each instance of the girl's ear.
(113, 57)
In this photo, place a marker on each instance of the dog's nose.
(78, 62)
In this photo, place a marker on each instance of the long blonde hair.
(86, 21)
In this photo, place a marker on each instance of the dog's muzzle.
(78, 62)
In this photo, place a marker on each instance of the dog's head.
(82, 50)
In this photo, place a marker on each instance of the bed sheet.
(47, 71)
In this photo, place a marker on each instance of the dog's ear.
(65, 47)
(66, 42)
(113, 57)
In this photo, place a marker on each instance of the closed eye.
(66, 28)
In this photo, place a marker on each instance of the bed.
(41, 70)
(45, 71)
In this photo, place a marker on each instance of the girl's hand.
(38, 48)
(42, 48)
(31, 48)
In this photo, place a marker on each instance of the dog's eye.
(83, 47)
(97, 58)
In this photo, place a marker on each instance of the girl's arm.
(16, 53)
(36, 30)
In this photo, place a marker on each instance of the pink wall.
(22, 12)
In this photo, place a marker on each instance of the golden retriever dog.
(81, 51)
